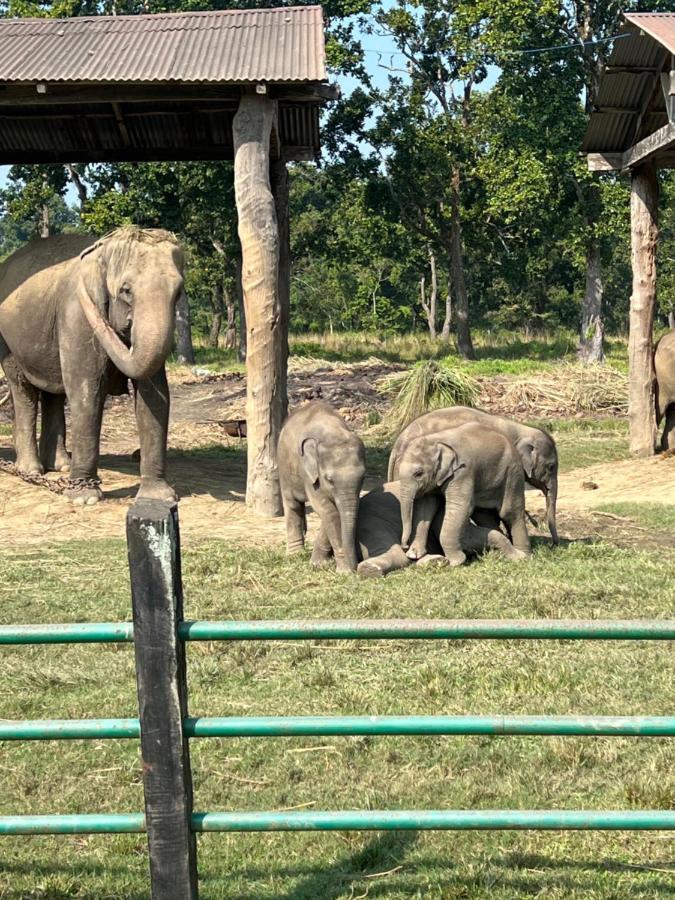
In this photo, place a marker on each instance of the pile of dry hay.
(571, 389)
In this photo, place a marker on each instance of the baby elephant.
(321, 462)
(480, 474)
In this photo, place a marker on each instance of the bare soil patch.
(211, 482)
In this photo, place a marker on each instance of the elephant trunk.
(151, 334)
(407, 499)
(348, 515)
(551, 501)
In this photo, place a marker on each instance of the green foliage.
(430, 384)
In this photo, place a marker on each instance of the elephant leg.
(53, 453)
(322, 552)
(152, 421)
(86, 400)
(331, 529)
(517, 528)
(458, 509)
(477, 539)
(25, 400)
(424, 510)
(294, 516)
(668, 437)
(376, 566)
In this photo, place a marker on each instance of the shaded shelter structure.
(632, 131)
(242, 85)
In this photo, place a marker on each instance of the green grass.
(659, 516)
(64, 583)
(585, 442)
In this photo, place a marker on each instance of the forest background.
(451, 194)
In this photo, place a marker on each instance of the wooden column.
(644, 200)
(265, 360)
(157, 600)
(279, 181)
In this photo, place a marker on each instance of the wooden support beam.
(654, 143)
(604, 162)
(668, 88)
(265, 360)
(157, 601)
(279, 182)
(644, 203)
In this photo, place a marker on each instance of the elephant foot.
(516, 555)
(342, 567)
(458, 558)
(416, 550)
(62, 462)
(434, 560)
(369, 569)
(156, 489)
(27, 464)
(321, 557)
(83, 496)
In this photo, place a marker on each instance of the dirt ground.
(208, 470)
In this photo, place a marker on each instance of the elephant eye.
(329, 479)
(124, 293)
(418, 473)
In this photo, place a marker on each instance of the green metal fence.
(159, 635)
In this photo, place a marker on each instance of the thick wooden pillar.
(644, 201)
(265, 360)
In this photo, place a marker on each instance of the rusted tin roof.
(630, 103)
(235, 46)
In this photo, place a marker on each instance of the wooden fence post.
(157, 598)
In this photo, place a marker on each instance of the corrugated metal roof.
(630, 103)
(228, 46)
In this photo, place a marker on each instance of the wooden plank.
(604, 162)
(157, 600)
(644, 206)
(654, 143)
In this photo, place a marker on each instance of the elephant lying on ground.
(480, 475)
(664, 366)
(78, 316)
(379, 532)
(535, 447)
(322, 462)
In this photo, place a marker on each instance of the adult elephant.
(535, 447)
(664, 366)
(78, 316)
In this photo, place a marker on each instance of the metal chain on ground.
(55, 485)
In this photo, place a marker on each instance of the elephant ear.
(528, 453)
(447, 463)
(309, 451)
(93, 274)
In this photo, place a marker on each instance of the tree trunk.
(218, 307)
(240, 308)
(44, 221)
(447, 321)
(592, 330)
(279, 180)
(464, 344)
(184, 350)
(671, 321)
(80, 186)
(644, 201)
(429, 306)
(258, 233)
(231, 326)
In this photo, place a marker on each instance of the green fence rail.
(159, 632)
(347, 629)
(336, 726)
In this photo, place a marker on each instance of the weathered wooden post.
(265, 358)
(279, 183)
(644, 203)
(157, 599)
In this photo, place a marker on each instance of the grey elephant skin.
(536, 448)
(379, 533)
(664, 366)
(78, 316)
(479, 473)
(322, 462)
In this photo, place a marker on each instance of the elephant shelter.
(243, 85)
(632, 131)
